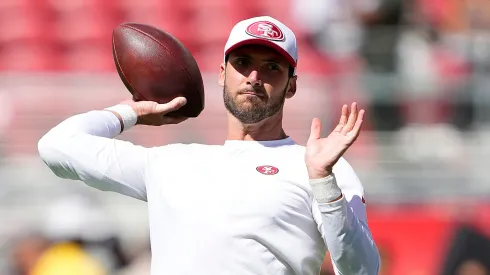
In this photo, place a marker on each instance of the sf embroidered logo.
(267, 170)
(265, 29)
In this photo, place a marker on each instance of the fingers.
(351, 120)
(173, 120)
(345, 113)
(357, 126)
(316, 129)
(171, 106)
(343, 118)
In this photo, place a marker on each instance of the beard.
(253, 109)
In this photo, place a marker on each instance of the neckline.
(261, 143)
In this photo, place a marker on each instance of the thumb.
(171, 106)
(316, 130)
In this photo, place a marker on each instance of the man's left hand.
(322, 153)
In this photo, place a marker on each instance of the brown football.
(156, 66)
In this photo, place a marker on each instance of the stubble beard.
(256, 110)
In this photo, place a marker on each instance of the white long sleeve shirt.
(241, 208)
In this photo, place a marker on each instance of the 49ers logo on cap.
(267, 170)
(265, 29)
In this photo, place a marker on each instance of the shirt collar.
(262, 143)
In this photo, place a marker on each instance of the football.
(155, 66)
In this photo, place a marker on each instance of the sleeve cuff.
(128, 115)
(325, 189)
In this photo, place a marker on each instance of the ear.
(222, 72)
(292, 87)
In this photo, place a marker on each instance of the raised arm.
(83, 146)
(343, 223)
(338, 208)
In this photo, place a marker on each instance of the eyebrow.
(270, 59)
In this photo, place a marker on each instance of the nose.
(254, 80)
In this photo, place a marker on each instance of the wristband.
(128, 115)
(325, 189)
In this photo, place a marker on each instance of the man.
(259, 204)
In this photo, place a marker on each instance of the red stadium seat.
(83, 30)
(27, 57)
(166, 15)
(246, 9)
(279, 9)
(88, 57)
(311, 60)
(23, 22)
(26, 40)
(83, 25)
(209, 58)
(79, 31)
(212, 19)
(152, 12)
(84, 20)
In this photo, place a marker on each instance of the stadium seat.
(311, 60)
(88, 57)
(83, 20)
(26, 40)
(209, 58)
(83, 30)
(164, 14)
(27, 57)
(279, 9)
(211, 20)
(76, 34)
(83, 25)
(246, 9)
(21, 22)
(152, 12)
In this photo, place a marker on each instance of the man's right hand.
(154, 114)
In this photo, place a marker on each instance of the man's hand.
(323, 153)
(154, 114)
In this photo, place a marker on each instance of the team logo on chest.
(267, 170)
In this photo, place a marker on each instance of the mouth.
(253, 93)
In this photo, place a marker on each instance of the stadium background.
(419, 67)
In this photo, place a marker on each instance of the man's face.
(256, 83)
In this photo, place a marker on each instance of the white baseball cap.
(267, 31)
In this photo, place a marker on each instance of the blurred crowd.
(419, 67)
(75, 236)
(421, 64)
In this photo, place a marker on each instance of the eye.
(273, 67)
(241, 61)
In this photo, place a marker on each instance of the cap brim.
(263, 42)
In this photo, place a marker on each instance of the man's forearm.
(349, 241)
